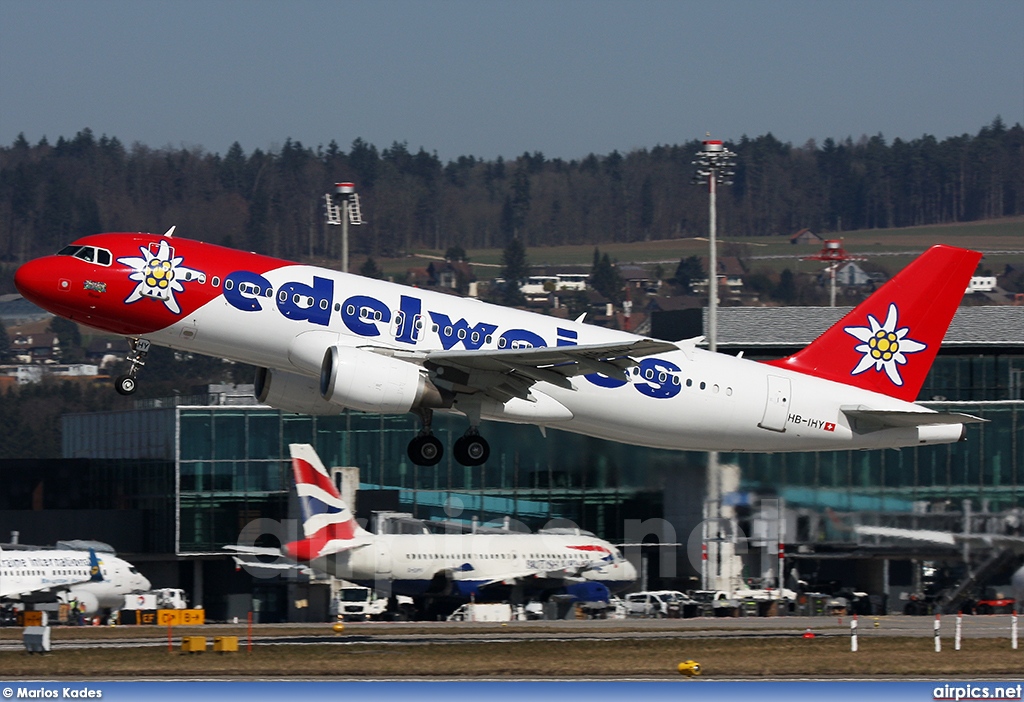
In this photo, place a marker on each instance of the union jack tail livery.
(327, 523)
(887, 343)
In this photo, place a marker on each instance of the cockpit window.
(90, 254)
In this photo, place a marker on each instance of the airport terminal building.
(170, 483)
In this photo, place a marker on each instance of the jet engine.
(291, 392)
(372, 382)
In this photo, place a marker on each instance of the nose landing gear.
(127, 384)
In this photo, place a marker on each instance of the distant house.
(638, 278)
(730, 278)
(105, 350)
(417, 277)
(441, 274)
(37, 347)
(805, 236)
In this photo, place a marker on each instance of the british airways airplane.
(429, 565)
(324, 341)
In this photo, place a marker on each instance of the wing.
(16, 591)
(503, 374)
(574, 574)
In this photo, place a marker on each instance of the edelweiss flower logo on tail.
(885, 346)
(159, 275)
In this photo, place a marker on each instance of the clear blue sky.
(490, 78)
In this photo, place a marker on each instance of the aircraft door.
(382, 563)
(776, 408)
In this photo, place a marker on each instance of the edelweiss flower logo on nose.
(159, 275)
(885, 346)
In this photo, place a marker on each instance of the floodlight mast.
(714, 167)
(343, 209)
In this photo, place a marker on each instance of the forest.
(272, 202)
(52, 193)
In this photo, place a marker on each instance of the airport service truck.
(355, 603)
(482, 612)
(164, 598)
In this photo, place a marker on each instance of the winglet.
(887, 343)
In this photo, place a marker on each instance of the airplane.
(324, 341)
(431, 566)
(95, 581)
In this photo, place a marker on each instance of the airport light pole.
(342, 210)
(714, 165)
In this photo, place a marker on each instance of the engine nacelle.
(371, 382)
(291, 392)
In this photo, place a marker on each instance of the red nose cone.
(37, 283)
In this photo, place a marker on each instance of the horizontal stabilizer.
(254, 550)
(879, 419)
(340, 545)
(937, 537)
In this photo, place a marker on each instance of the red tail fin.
(887, 343)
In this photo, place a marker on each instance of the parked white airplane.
(95, 581)
(460, 566)
(325, 341)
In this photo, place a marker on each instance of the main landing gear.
(425, 449)
(127, 384)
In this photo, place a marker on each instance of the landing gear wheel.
(425, 450)
(472, 450)
(125, 385)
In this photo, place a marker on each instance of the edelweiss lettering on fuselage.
(369, 317)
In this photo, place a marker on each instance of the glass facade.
(233, 468)
(596, 484)
(231, 464)
(987, 466)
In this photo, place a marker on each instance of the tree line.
(272, 202)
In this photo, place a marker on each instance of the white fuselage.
(410, 563)
(30, 574)
(688, 399)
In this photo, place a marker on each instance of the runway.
(426, 633)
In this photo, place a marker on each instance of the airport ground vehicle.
(657, 604)
(162, 598)
(357, 603)
(722, 603)
(479, 612)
